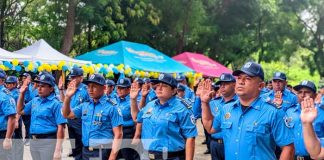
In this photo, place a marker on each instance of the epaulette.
(112, 101)
(6, 91)
(184, 102)
(269, 101)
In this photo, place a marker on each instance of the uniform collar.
(234, 98)
(297, 107)
(254, 104)
(123, 99)
(284, 92)
(170, 101)
(50, 97)
(81, 86)
(102, 100)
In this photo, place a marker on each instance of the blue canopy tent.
(136, 55)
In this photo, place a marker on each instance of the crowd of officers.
(156, 118)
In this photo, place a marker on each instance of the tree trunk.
(89, 36)
(3, 5)
(69, 30)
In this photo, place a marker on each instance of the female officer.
(47, 122)
(166, 125)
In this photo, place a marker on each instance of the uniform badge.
(216, 109)
(193, 119)
(92, 77)
(227, 115)
(85, 112)
(149, 111)
(288, 121)
(119, 112)
(12, 101)
(161, 76)
(255, 123)
(42, 77)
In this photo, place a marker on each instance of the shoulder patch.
(6, 91)
(186, 103)
(112, 101)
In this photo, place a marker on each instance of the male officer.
(227, 91)
(18, 151)
(75, 125)
(47, 123)
(189, 94)
(101, 121)
(280, 96)
(7, 123)
(110, 86)
(304, 89)
(251, 126)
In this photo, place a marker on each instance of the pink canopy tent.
(201, 63)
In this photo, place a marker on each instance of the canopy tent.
(8, 56)
(135, 55)
(201, 63)
(43, 52)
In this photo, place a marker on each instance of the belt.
(159, 155)
(303, 158)
(218, 140)
(102, 146)
(43, 136)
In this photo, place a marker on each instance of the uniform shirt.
(5, 90)
(98, 121)
(293, 121)
(15, 94)
(45, 114)
(112, 95)
(216, 105)
(124, 106)
(7, 108)
(254, 132)
(322, 101)
(322, 142)
(150, 96)
(289, 99)
(30, 93)
(197, 107)
(81, 95)
(189, 94)
(319, 121)
(166, 126)
(264, 90)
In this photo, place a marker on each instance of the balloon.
(18, 68)
(15, 62)
(25, 63)
(2, 67)
(65, 68)
(53, 67)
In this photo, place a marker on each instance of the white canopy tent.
(8, 56)
(43, 52)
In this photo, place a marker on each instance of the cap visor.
(298, 87)
(44, 82)
(87, 82)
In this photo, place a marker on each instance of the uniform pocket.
(226, 125)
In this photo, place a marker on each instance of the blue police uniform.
(289, 99)
(216, 143)
(254, 132)
(189, 94)
(124, 106)
(322, 142)
(264, 91)
(196, 108)
(75, 125)
(8, 108)
(319, 122)
(98, 121)
(169, 125)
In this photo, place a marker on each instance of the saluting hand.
(71, 88)
(309, 112)
(24, 87)
(278, 98)
(206, 93)
(134, 91)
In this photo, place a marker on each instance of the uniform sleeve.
(28, 107)
(116, 117)
(197, 108)
(78, 110)
(281, 133)
(319, 123)
(8, 106)
(217, 121)
(188, 124)
(58, 114)
(140, 116)
(322, 142)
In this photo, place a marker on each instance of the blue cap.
(123, 82)
(76, 71)
(167, 79)
(11, 79)
(110, 82)
(139, 80)
(225, 77)
(2, 74)
(279, 76)
(147, 80)
(96, 78)
(307, 84)
(181, 87)
(25, 75)
(47, 79)
(252, 69)
(180, 78)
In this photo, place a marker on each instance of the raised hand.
(309, 112)
(206, 93)
(24, 87)
(278, 98)
(61, 83)
(134, 91)
(200, 88)
(145, 89)
(72, 87)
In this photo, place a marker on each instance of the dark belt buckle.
(151, 156)
(300, 158)
(90, 149)
(219, 141)
(34, 137)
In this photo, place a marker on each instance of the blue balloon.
(65, 68)
(18, 68)
(6, 63)
(26, 63)
(115, 70)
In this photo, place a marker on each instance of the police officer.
(181, 93)
(147, 93)
(110, 89)
(251, 126)
(189, 94)
(314, 146)
(75, 125)
(47, 123)
(304, 89)
(227, 91)
(18, 151)
(280, 95)
(7, 123)
(101, 120)
(166, 125)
